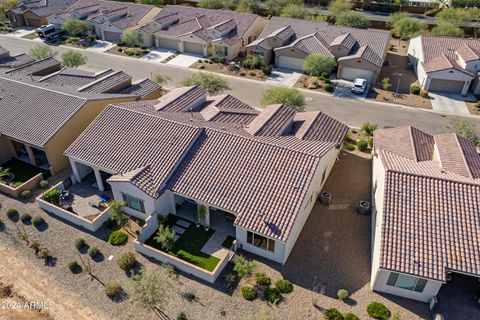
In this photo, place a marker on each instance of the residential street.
(353, 113)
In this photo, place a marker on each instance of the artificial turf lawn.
(23, 171)
(188, 246)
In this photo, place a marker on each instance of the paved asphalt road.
(352, 113)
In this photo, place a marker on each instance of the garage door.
(290, 63)
(354, 73)
(443, 85)
(193, 47)
(112, 36)
(36, 23)
(170, 44)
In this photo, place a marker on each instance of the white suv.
(359, 86)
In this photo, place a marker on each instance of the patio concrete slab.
(214, 247)
(283, 77)
(343, 90)
(184, 60)
(157, 55)
(20, 32)
(183, 223)
(101, 46)
(449, 103)
(178, 230)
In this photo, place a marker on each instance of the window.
(133, 203)
(406, 282)
(260, 241)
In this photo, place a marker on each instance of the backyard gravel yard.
(333, 247)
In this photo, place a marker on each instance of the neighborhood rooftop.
(431, 205)
(43, 8)
(263, 178)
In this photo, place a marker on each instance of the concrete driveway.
(449, 103)
(184, 60)
(343, 90)
(101, 46)
(157, 55)
(20, 32)
(283, 77)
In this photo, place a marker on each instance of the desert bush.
(252, 62)
(332, 314)
(285, 286)
(52, 195)
(415, 89)
(43, 184)
(267, 70)
(12, 213)
(378, 310)
(113, 289)
(190, 296)
(25, 217)
(370, 142)
(362, 145)
(73, 265)
(249, 293)
(272, 295)
(126, 261)
(79, 243)
(252, 73)
(351, 316)
(182, 316)
(27, 194)
(117, 237)
(38, 221)
(342, 294)
(93, 252)
(350, 147)
(262, 279)
(328, 88)
(424, 94)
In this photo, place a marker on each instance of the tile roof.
(273, 121)
(434, 46)
(227, 108)
(36, 67)
(468, 53)
(108, 83)
(43, 8)
(181, 99)
(310, 44)
(261, 178)
(15, 61)
(366, 53)
(441, 62)
(431, 221)
(376, 40)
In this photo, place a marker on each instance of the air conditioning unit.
(363, 207)
(325, 198)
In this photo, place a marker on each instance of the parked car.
(359, 85)
(50, 32)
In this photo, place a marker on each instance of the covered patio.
(459, 297)
(83, 170)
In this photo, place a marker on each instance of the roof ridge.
(410, 130)
(462, 152)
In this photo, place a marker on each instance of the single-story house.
(286, 42)
(35, 13)
(257, 174)
(425, 217)
(110, 19)
(44, 107)
(446, 64)
(194, 30)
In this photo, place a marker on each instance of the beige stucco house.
(446, 64)
(286, 42)
(35, 13)
(194, 30)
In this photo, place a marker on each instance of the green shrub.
(249, 293)
(27, 194)
(272, 295)
(415, 89)
(190, 296)
(38, 221)
(242, 74)
(342, 294)
(262, 279)
(285, 286)
(267, 70)
(252, 73)
(351, 316)
(79, 243)
(378, 310)
(25, 217)
(182, 316)
(332, 314)
(328, 88)
(126, 261)
(129, 52)
(362, 145)
(43, 184)
(12, 213)
(143, 47)
(350, 147)
(117, 237)
(113, 289)
(73, 265)
(52, 195)
(93, 252)
(252, 62)
(424, 94)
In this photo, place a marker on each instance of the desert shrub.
(129, 52)
(73, 265)
(424, 94)
(267, 70)
(350, 147)
(316, 65)
(252, 73)
(415, 89)
(12, 213)
(25, 217)
(378, 310)
(370, 142)
(272, 295)
(52, 195)
(43, 184)
(38, 221)
(351, 316)
(242, 74)
(285, 286)
(126, 261)
(93, 252)
(79, 243)
(328, 88)
(342, 294)
(117, 237)
(332, 314)
(182, 316)
(262, 279)
(190, 296)
(369, 128)
(113, 289)
(252, 62)
(362, 145)
(249, 293)
(27, 194)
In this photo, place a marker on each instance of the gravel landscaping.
(333, 248)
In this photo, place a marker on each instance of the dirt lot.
(225, 69)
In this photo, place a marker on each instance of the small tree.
(295, 11)
(405, 27)
(464, 128)
(73, 59)
(447, 29)
(130, 38)
(352, 19)
(149, 288)
(244, 268)
(212, 83)
(369, 128)
(77, 27)
(275, 7)
(217, 51)
(386, 84)
(338, 7)
(41, 51)
(165, 237)
(160, 79)
(116, 213)
(316, 64)
(248, 6)
(289, 96)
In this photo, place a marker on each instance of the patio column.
(207, 216)
(74, 166)
(31, 155)
(98, 176)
